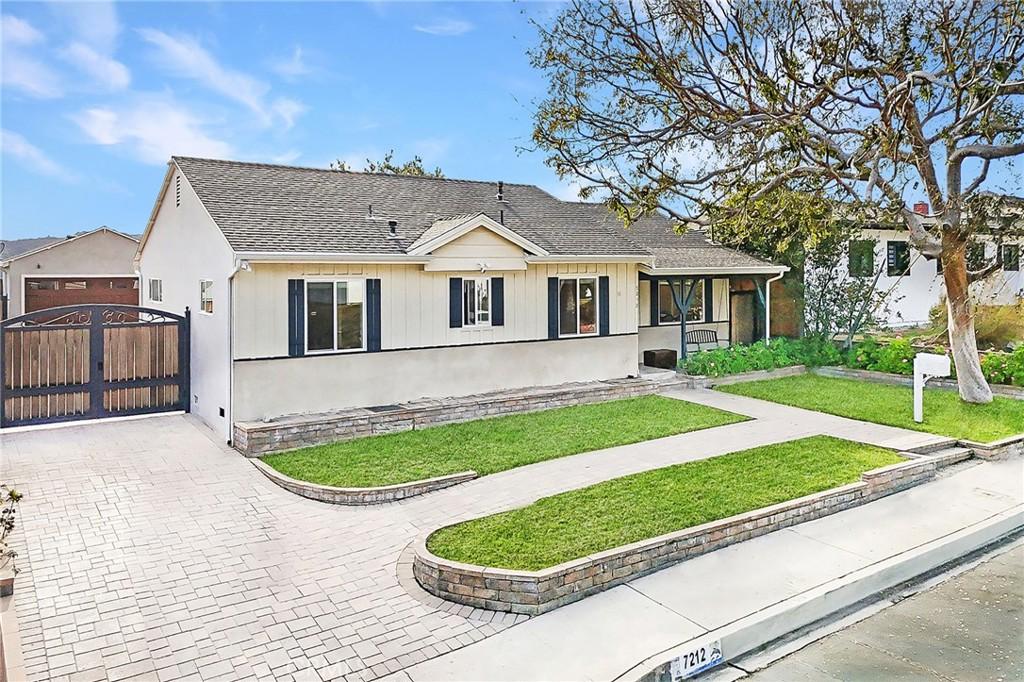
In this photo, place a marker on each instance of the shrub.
(896, 357)
(781, 352)
(997, 326)
(1004, 368)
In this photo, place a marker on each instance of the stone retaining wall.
(756, 375)
(361, 496)
(908, 380)
(257, 438)
(534, 592)
(1012, 446)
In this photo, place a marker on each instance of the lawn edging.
(361, 496)
(536, 592)
(698, 381)
(1004, 390)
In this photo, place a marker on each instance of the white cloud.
(94, 23)
(22, 71)
(445, 27)
(16, 31)
(184, 56)
(105, 71)
(286, 158)
(293, 67)
(16, 146)
(431, 149)
(152, 129)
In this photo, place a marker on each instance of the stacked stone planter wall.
(904, 380)
(257, 438)
(534, 592)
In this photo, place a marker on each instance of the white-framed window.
(206, 296)
(668, 311)
(156, 289)
(476, 302)
(335, 315)
(577, 306)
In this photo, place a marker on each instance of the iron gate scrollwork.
(92, 361)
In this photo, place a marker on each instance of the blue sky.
(97, 96)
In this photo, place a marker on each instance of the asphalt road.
(967, 629)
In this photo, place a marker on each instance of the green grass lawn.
(488, 446)
(944, 413)
(577, 523)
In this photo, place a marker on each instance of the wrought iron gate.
(92, 361)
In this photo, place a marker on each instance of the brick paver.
(150, 552)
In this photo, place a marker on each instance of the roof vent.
(369, 211)
(501, 191)
(392, 228)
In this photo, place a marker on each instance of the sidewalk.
(604, 637)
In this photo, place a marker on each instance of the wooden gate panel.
(92, 361)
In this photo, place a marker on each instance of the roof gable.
(447, 230)
(57, 243)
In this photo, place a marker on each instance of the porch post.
(683, 305)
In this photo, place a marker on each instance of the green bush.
(1004, 368)
(780, 352)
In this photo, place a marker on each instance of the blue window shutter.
(497, 301)
(552, 307)
(296, 317)
(709, 301)
(373, 315)
(455, 302)
(603, 306)
(654, 303)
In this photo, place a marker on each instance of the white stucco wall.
(909, 298)
(268, 388)
(98, 253)
(183, 247)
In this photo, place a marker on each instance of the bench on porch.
(702, 336)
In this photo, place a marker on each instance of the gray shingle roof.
(286, 209)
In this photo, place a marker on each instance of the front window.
(334, 315)
(476, 302)
(577, 306)
(862, 258)
(976, 256)
(1011, 257)
(206, 296)
(668, 311)
(897, 259)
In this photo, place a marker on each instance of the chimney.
(921, 208)
(501, 191)
(392, 228)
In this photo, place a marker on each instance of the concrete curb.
(758, 629)
(361, 496)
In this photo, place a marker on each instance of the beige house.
(89, 267)
(314, 290)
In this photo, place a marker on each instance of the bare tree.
(673, 105)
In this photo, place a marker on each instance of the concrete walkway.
(603, 637)
(151, 552)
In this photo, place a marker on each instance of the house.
(913, 284)
(89, 267)
(313, 290)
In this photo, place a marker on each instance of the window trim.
(1008, 247)
(861, 243)
(490, 303)
(888, 267)
(701, 308)
(334, 335)
(160, 286)
(213, 307)
(597, 306)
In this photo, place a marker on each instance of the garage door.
(50, 292)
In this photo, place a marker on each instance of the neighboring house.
(89, 267)
(914, 283)
(313, 290)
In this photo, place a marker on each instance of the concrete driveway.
(152, 552)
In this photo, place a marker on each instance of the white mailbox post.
(926, 366)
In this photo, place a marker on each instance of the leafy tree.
(388, 166)
(670, 105)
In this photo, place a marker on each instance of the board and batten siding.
(414, 303)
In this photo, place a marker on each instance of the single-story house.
(313, 290)
(90, 267)
(913, 284)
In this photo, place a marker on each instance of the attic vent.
(177, 190)
(501, 191)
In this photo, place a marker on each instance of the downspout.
(768, 306)
(239, 265)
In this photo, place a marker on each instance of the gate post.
(96, 339)
(185, 360)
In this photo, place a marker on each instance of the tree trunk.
(972, 384)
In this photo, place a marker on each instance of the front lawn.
(581, 522)
(488, 446)
(944, 413)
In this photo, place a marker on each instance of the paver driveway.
(152, 552)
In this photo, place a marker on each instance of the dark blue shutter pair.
(455, 302)
(603, 306)
(709, 301)
(297, 316)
